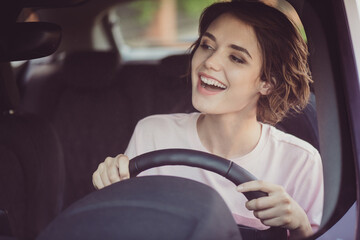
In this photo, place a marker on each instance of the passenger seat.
(31, 166)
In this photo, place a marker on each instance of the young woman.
(248, 68)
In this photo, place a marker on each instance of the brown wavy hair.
(284, 54)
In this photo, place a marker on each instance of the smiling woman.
(223, 56)
(248, 68)
(271, 50)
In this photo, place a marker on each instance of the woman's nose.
(213, 62)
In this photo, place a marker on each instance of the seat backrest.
(303, 124)
(137, 82)
(12, 202)
(173, 86)
(89, 110)
(32, 171)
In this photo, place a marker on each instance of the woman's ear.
(265, 87)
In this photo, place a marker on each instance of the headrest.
(9, 95)
(175, 65)
(24, 41)
(90, 68)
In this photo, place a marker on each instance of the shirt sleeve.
(142, 140)
(311, 190)
(131, 150)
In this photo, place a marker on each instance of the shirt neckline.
(197, 144)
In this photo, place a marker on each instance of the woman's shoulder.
(290, 142)
(167, 120)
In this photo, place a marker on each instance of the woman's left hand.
(277, 209)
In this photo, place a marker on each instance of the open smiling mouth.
(211, 84)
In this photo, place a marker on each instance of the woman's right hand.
(110, 171)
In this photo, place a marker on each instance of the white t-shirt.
(278, 158)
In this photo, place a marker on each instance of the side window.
(353, 13)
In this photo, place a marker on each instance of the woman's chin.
(205, 108)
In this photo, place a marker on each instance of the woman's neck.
(228, 135)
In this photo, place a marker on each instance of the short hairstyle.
(284, 54)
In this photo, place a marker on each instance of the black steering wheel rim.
(194, 158)
(207, 161)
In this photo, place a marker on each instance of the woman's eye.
(237, 60)
(205, 46)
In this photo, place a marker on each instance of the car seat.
(89, 110)
(32, 172)
(173, 86)
(31, 163)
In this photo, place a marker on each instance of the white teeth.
(212, 82)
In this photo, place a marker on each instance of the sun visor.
(51, 3)
(25, 41)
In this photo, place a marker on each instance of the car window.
(353, 14)
(145, 29)
(153, 29)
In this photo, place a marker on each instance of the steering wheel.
(221, 166)
(159, 207)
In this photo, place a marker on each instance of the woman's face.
(226, 69)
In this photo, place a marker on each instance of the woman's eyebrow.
(236, 47)
(209, 35)
(233, 46)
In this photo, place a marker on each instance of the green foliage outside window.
(145, 9)
(193, 8)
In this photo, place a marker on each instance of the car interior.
(71, 104)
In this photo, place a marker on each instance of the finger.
(258, 185)
(93, 182)
(276, 198)
(269, 213)
(261, 203)
(109, 161)
(276, 222)
(103, 174)
(97, 182)
(112, 170)
(123, 163)
(113, 174)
